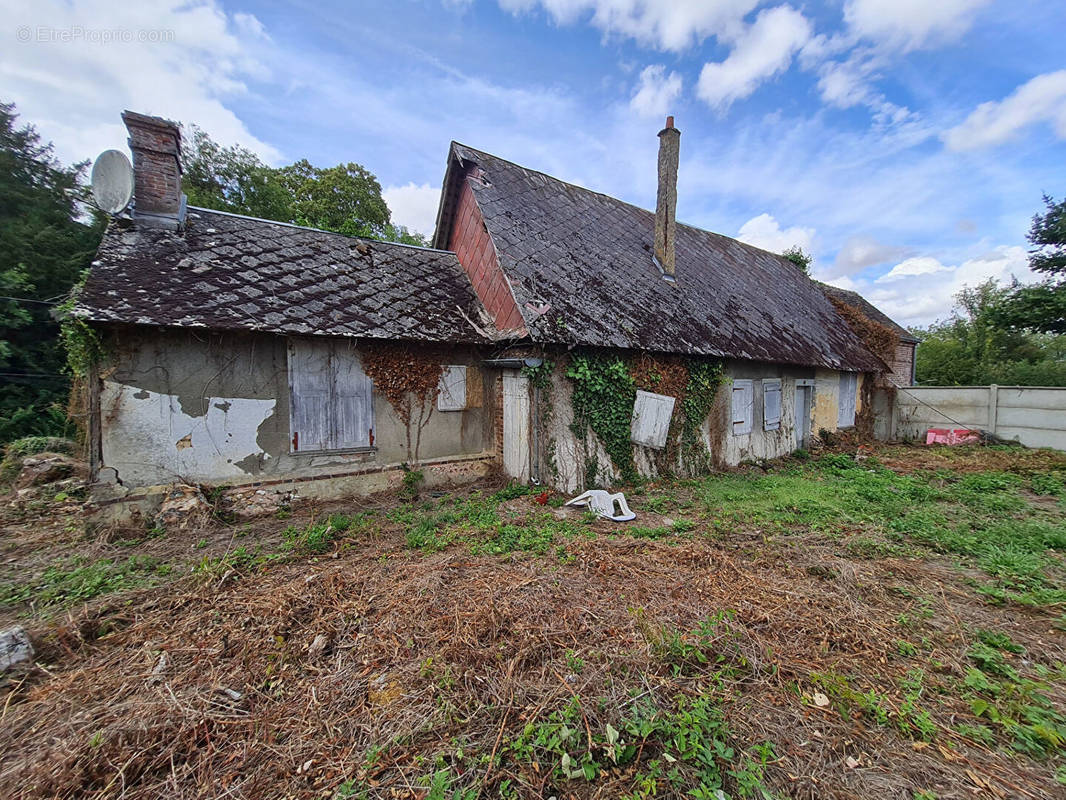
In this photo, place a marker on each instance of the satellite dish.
(112, 181)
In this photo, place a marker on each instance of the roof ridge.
(615, 199)
(316, 230)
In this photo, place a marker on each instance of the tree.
(48, 235)
(971, 348)
(1041, 307)
(801, 258)
(345, 198)
(231, 179)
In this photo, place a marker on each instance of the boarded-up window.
(743, 407)
(452, 386)
(651, 419)
(849, 383)
(771, 404)
(331, 404)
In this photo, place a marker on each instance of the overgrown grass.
(77, 580)
(982, 516)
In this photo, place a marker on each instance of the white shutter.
(452, 394)
(651, 419)
(353, 406)
(310, 378)
(846, 408)
(771, 404)
(743, 406)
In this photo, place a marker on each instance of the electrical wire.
(29, 300)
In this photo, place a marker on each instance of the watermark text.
(45, 34)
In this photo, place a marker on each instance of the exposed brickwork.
(471, 244)
(156, 147)
(903, 364)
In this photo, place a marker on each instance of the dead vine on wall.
(667, 375)
(406, 376)
(881, 339)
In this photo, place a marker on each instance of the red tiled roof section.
(473, 246)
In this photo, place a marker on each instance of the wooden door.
(516, 425)
(802, 424)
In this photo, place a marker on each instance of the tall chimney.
(666, 198)
(156, 146)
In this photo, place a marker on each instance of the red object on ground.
(956, 436)
(542, 498)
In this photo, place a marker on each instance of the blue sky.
(905, 143)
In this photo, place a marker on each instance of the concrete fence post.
(993, 408)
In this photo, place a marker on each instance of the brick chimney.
(156, 146)
(666, 198)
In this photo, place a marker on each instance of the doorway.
(802, 427)
(516, 425)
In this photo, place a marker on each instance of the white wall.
(1033, 416)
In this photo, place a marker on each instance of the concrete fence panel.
(1034, 416)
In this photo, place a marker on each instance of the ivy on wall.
(603, 396)
(704, 378)
(604, 390)
(81, 341)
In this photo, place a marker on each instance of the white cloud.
(764, 231)
(859, 252)
(1042, 99)
(763, 50)
(920, 265)
(184, 60)
(910, 24)
(656, 91)
(923, 289)
(666, 24)
(413, 206)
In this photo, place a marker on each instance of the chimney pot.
(666, 198)
(156, 146)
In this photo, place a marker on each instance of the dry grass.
(373, 667)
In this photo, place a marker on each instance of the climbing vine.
(704, 378)
(881, 339)
(406, 377)
(82, 342)
(604, 390)
(603, 395)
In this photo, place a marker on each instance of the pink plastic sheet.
(949, 436)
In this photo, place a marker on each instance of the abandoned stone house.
(241, 351)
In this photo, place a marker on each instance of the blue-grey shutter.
(846, 408)
(310, 379)
(771, 404)
(743, 406)
(353, 405)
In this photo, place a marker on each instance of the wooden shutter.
(331, 405)
(353, 407)
(310, 379)
(743, 406)
(651, 419)
(771, 404)
(846, 408)
(452, 394)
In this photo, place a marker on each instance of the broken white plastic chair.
(603, 504)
